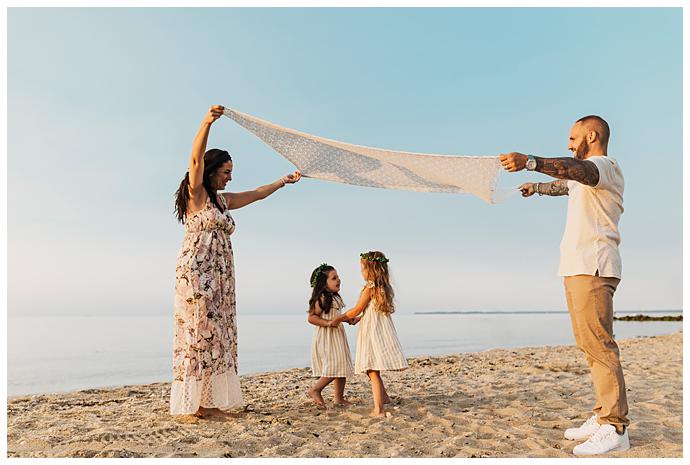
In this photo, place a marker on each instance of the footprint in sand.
(157, 435)
(357, 414)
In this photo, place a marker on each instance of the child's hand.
(333, 323)
(356, 320)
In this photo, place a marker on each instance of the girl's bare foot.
(342, 403)
(316, 397)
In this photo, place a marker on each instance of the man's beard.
(582, 151)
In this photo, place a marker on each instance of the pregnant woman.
(205, 342)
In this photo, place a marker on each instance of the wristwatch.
(531, 163)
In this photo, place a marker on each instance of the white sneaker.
(587, 429)
(606, 439)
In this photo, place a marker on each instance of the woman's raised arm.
(196, 161)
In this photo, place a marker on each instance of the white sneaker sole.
(621, 448)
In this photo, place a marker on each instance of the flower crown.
(366, 256)
(317, 272)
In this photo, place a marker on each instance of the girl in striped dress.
(330, 353)
(378, 347)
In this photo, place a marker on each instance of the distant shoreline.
(641, 317)
(535, 312)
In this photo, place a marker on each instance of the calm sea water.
(57, 354)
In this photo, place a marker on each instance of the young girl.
(330, 353)
(378, 347)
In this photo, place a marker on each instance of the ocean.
(50, 354)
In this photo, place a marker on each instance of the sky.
(103, 105)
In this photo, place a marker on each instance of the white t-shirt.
(591, 237)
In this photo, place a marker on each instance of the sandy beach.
(498, 403)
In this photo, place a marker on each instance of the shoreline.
(494, 403)
(102, 363)
(641, 317)
(106, 387)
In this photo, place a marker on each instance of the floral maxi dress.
(205, 341)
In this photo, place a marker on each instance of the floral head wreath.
(366, 256)
(317, 272)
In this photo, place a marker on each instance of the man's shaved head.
(597, 124)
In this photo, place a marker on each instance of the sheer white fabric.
(221, 390)
(317, 157)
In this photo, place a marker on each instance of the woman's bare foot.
(204, 412)
(342, 403)
(379, 414)
(316, 397)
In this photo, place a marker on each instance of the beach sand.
(498, 403)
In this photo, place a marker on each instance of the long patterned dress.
(330, 352)
(205, 342)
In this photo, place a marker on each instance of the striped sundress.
(330, 352)
(378, 347)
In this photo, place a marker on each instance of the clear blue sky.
(103, 105)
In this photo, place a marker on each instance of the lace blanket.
(331, 160)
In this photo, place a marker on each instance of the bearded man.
(590, 264)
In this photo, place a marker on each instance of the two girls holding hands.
(378, 347)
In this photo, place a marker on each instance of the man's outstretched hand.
(513, 161)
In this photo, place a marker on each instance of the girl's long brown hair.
(320, 292)
(377, 271)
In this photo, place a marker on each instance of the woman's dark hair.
(320, 293)
(213, 159)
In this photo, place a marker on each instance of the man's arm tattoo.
(582, 171)
(553, 188)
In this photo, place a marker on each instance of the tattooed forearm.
(582, 171)
(553, 188)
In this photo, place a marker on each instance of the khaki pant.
(590, 302)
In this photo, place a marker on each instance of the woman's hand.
(215, 112)
(292, 178)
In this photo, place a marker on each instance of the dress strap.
(221, 200)
(338, 303)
